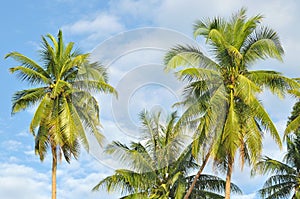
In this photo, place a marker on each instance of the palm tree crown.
(159, 167)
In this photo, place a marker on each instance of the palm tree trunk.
(228, 177)
(189, 192)
(54, 166)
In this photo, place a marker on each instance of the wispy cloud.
(95, 28)
(102, 23)
(11, 145)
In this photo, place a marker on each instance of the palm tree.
(221, 96)
(286, 180)
(66, 109)
(159, 167)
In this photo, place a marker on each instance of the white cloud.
(137, 9)
(181, 15)
(77, 179)
(13, 159)
(11, 145)
(95, 28)
(279, 15)
(19, 181)
(102, 23)
(74, 180)
(29, 152)
(135, 64)
(80, 187)
(23, 133)
(246, 196)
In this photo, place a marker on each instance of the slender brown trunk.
(228, 177)
(54, 166)
(189, 192)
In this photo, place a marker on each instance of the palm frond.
(187, 56)
(279, 190)
(231, 128)
(292, 126)
(30, 75)
(137, 158)
(26, 98)
(262, 44)
(242, 28)
(41, 114)
(246, 89)
(274, 81)
(268, 165)
(28, 63)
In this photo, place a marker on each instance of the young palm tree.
(159, 167)
(66, 109)
(221, 95)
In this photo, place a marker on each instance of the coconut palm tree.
(221, 95)
(286, 179)
(66, 110)
(159, 167)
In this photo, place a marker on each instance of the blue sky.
(130, 37)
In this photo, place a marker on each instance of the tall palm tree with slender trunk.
(66, 109)
(221, 93)
(159, 166)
